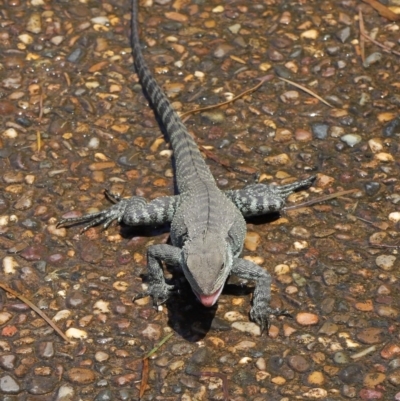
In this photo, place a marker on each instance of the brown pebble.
(302, 135)
(365, 306)
(81, 375)
(389, 351)
(315, 378)
(387, 311)
(6, 108)
(371, 335)
(298, 363)
(394, 377)
(101, 166)
(90, 252)
(307, 319)
(373, 379)
(252, 240)
(152, 332)
(125, 379)
(174, 16)
(278, 160)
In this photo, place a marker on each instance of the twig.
(41, 105)
(381, 45)
(383, 10)
(38, 140)
(67, 78)
(36, 309)
(384, 246)
(145, 377)
(321, 199)
(145, 360)
(214, 106)
(211, 155)
(362, 38)
(309, 91)
(158, 346)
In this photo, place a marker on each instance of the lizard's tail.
(188, 160)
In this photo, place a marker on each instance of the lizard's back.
(203, 208)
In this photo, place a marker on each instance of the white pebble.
(247, 327)
(101, 307)
(218, 9)
(94, 143)
(62, 315)
(351, 139)
(199, 74)
(375, 144)
(4, 220)
(245, 360)
(300, 245)
(120, 286)
(233, 316)
(394, 216)
(281, 269)
(10, 133)
(100, 20)
(166, 153)
(316, 393)
(310, 34)
(26, 39)
(76, 333)
(56, 40)
(101, 356)
(9, 265)
(384, 157)
(235, 28)
(58, 232)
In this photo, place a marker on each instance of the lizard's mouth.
(209, 300)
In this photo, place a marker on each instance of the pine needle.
(321, 199)
(309, 91)
(214, 106)
(36, 309)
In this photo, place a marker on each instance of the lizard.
(207, 225)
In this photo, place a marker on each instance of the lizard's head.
(208, 264)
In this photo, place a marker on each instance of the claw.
(159, 292)
(261, 318)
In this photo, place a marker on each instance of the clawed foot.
(260, 313)
(160, 293)
(106, 217)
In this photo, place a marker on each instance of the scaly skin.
(207, 225)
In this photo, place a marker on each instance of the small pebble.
(351, 139)
(320, 130)
(247, 327)
(315, 378)
(307, 319)
(252, 240)
(81, 375)
(298, 363)
(386, 262)
(76, 333)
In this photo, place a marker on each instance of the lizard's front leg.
(133, 211)
(262, 293)
(259, 199)
(158, 289)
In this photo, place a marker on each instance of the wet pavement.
(75, 122)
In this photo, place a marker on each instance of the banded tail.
(189, 163)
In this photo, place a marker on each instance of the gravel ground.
(75, 122)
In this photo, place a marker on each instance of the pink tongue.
(210, 300)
